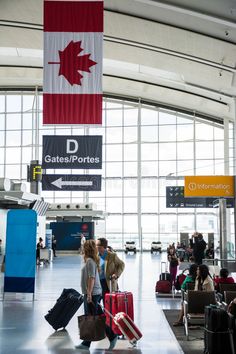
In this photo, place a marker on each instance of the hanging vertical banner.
(73, 42)
(20, 257)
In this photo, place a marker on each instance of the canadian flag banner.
(73, 53)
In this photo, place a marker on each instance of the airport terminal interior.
(168, 112)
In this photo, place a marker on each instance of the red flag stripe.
(77, 0)
(73, 16)
(72, 109)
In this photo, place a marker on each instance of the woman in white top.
(204, 281)
(90, 283)
(91, 288)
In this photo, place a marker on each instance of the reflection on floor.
(23, 329)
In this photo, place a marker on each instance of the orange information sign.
(209, 186)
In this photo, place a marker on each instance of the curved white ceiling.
(180, 53)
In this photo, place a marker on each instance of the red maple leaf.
(71, 63)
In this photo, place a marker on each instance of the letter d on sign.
(71, 146)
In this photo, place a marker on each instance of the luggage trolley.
(45, 255)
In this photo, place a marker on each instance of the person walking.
(111, 267)
(92, 290)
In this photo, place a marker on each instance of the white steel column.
(139, 180)
(226, 147)
(226, 172)
(123, 179)
(36, 124)
(234, 169)
(194, 164)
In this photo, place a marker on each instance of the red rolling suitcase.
(118, 302)
(127, 327)
(163, 286)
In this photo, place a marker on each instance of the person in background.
(186, 265)
(38, 247)
(82, 242)
(173, 267)
(204, 281)
(111, 267)
(191, 277)
(170, 249)
(223, 278)
(54, 245)
(198, 246)
(0, 246)
(210, 252)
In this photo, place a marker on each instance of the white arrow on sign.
(59, 183)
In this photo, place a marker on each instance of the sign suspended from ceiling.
(209, 186)
(73, 54)
(65, 151)
(71, 182)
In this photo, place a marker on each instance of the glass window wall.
(137, 164)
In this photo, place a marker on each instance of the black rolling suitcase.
(218, 337)
(64, 309)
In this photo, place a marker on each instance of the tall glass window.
(138, 163)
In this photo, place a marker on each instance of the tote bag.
(92, 327)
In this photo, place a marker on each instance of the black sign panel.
(71, 183)
(175, 199)
(65, 151)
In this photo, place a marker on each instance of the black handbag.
(92, 327)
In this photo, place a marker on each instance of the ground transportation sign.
(175, 199)
(65, 151)
(71, 182)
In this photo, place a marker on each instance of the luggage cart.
(45, 255)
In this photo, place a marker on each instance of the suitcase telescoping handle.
(118, 291)
(116, 282)
(163, 269)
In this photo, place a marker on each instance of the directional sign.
(80, 152)
(175, 199)
(71, 183)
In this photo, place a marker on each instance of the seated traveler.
(223, 278)
(191, 277)
(204, 281)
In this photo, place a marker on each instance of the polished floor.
(23, 329)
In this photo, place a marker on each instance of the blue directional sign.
(71, 182)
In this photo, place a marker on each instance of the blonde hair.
(90, 251)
